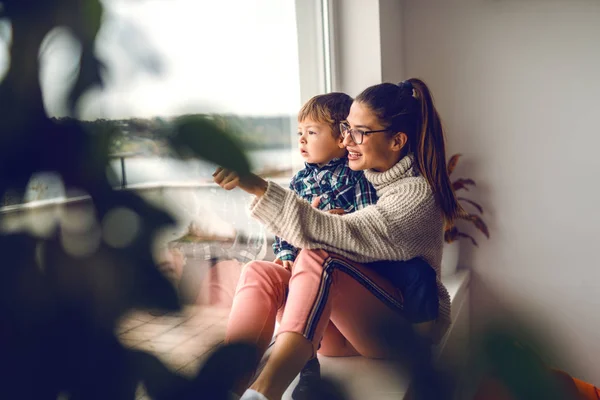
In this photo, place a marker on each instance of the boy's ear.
(399, 140)
(340, 141)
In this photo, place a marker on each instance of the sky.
(226, 56)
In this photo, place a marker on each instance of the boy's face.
(317, 143)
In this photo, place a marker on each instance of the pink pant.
(325, 298)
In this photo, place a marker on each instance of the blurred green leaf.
(200, 137)
(89, 76)
(211, 381)
(518, 367)
(92, 17)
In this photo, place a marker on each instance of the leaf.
(466, 235)
(89, 76)
(159, 381)
(471, 202)
(520, 370)
(92, 17)
(451, 234)
(478, 222)
(84, 20)
(204, 139)
(222, 371)
(452, 163)
(462, 183)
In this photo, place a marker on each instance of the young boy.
(326, 179)
(327, 182)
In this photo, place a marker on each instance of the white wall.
(367, 48)
(358, 46)
(390, 29)
(517, 83)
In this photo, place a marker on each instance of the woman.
(332, 297)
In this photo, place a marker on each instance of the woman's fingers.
(316, 201)
(288, 265)
(231, 182)
(226, 179)
(337, 211)
(219, 175)
(217, 171)
(250, 183)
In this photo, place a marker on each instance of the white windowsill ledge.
(364, 378)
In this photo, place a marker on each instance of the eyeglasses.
(357, 135)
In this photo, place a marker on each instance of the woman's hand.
(286, 264)
(337, 211)
(229, 180)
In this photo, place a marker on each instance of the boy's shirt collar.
(336, 184)
(330, 165)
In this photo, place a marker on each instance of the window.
(249, 64)
(252, 63)
(235, 60)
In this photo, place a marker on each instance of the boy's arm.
(282, 249)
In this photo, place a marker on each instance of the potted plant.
(451, 232)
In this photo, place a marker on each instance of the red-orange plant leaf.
(450, 234)
(471, 202)
(479, 224)
(462, 183)
(465, 235)
(452, 163)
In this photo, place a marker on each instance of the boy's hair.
(330, 108)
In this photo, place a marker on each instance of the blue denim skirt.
(416, 281)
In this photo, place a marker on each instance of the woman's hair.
(408, 107)
(330, 108)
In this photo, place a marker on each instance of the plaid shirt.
(337, 186)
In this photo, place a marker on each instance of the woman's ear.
(399, 140)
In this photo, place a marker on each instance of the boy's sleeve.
(364, 193)
(282, 249)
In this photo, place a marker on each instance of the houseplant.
(451, 231)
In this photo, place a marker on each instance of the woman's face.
(379, 151)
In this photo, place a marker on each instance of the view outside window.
(234, 60)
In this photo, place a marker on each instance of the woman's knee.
(265, 274)
(268, 276)
(263, 271)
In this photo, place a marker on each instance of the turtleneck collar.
(402, 169)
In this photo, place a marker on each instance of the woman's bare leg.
(290, 352)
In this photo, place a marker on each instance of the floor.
(361, 378)
(182, 341)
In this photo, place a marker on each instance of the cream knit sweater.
(405, 223)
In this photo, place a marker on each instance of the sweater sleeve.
(367, 235)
